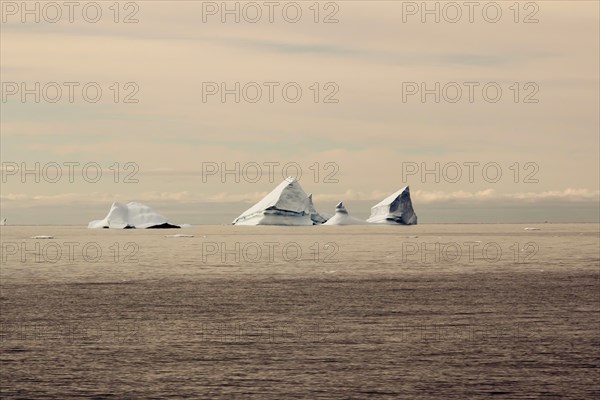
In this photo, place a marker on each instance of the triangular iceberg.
(394, 209)
(287, 204)
(342, 217)
(132, 215)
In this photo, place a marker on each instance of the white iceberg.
(394, 209)
(3, 222)
(314, 215)
(342, 217)
(179, 236)
(288, 204)
(132, 215)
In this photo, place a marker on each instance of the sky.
(490, 112)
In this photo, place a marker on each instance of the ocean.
(428, 311)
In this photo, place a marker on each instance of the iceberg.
(395, 209)
(179, 236)
(132, 215)
(288, 204)
(326, 216)
(342, 217)
(314, 215)
(3, 222)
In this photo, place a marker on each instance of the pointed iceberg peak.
(287, 204)
(132, 215)
(340, 208)
(342, 217)
(395, 209)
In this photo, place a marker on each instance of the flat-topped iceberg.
(395, 209)
(288, 204)
(342, 217)
(132, 215)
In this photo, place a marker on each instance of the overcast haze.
(364, 146)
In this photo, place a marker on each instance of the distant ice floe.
(532, 229)
(179, 236)
(394, 209)
(42, 237)
(132, 215)
(342, 217)
(288, 204)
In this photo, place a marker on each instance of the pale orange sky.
(369, 55)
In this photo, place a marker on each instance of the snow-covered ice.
(179, 236)
(395, 209)
(314, 215)
(342, 217)
(132, 215)
(287, 204)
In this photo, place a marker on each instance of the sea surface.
(462, 311)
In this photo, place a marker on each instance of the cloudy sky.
(178, 105)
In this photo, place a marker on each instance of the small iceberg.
(42, 237)
(342, 217)
(179, 236)
(395, 209)
(132, 215)
(532, 229)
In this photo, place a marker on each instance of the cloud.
(557, 195)
(461, 197)
(19, 200)
(490, 196)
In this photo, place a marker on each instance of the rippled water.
(429, 311)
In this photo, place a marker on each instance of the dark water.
(358, 328)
